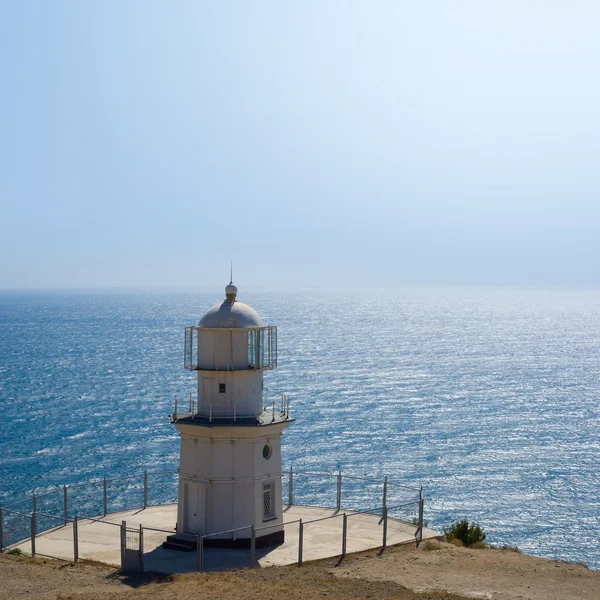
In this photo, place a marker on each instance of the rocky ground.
(436, 571)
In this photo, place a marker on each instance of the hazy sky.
(314, 143)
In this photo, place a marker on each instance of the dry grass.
(45, 580)
(479, 546)
(400, 573)
(429, 545)
(510, 549)
(475, 546)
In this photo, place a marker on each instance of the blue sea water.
(487, 398)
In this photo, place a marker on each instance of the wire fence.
(77, 516)
(15, 527)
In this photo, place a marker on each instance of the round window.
(267, 451)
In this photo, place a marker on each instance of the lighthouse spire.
(230, 290)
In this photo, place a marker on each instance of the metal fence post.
(199, 553)
(141, 548)
(75, 539)
(33, 504)
(105, 497)
(146, 488)
(65, 505)
(290, 487)
(33, 528)
(385, 519)
(421, 502)
(338, 502)
(123, 543)
(1, 531)
(253, 546)
(344, 534)
(384, 502)
(300, 541)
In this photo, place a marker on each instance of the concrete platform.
(100, 540)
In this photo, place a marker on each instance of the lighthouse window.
(268, 501)
(267, 451)
(222, 388)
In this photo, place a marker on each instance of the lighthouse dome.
(231, 314)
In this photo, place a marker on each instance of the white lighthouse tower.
(230, 457)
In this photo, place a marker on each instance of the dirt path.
(402, 573)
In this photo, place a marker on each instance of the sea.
(487, 398)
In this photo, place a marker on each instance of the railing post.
(338, 502)
(185, 352)
(199, 553)
(384, 502)
(33, 504)
(75, 539)
(123, 543)
(141, 548)
(145, 489)
(1, 531)
(253, 546)
(65, 505)
(385, 524)
(105, 497)
(33, 528)
(291, 487)
(300, 541)
(421, 502)
(344, 534)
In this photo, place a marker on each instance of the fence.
(354, 501)
(217, 407)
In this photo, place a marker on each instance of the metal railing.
(62, 507)
(211, 408)
(91, 498)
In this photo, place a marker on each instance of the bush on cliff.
(469, 534)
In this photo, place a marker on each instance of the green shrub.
(16, 551)
(464, 532)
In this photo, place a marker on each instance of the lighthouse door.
(194, 508)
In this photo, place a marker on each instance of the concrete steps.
(180, 542)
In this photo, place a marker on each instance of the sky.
(314, 143)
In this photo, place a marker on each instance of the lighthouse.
(230, 435)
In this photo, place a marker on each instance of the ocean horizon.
(486, 397)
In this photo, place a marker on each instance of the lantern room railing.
(261, 350)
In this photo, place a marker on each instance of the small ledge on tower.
(267, 417)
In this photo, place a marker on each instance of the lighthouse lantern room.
(230, 457)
